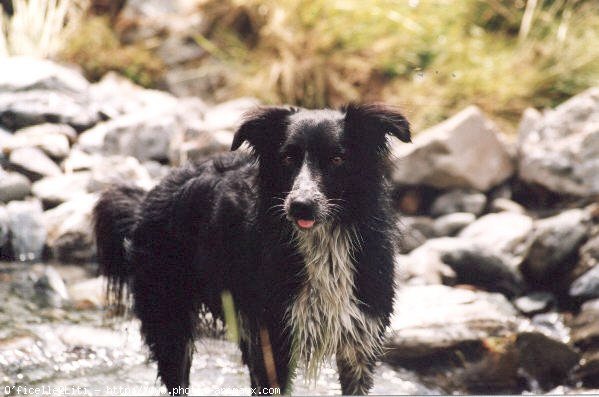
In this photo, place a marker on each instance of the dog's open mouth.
(305, 223)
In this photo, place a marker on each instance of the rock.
(586, 286)
(89, 293)
(50, 289)
(228, 115)
(25, 73)
(554, 240)
(421, 326)
(156, 170)
(530, 118)
(145, 135)
(22, 109)
(78, 160)
(585, 327)
(561, 151)
(414, 231)
(55, 190)
(33, 163)
(501, 204)
(52, 139)
(534, 303)
(423, 265)
(130, 99)
(463, 151)
(473, 265)
(27, 230)
(459, 200)
(196, 144)
(588, 372)
(177, 49)
(588, 256)
(557, 358)
(69, 226)
(504, 234)
(115, 169)
(13, 186)
(551, 324)
(451, 224)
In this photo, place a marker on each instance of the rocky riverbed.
(497, 266)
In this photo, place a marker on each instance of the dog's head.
(322, 165)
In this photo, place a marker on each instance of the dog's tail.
(114, 216)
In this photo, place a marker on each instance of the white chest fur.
(325, 318)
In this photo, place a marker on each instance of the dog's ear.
(261, 126)
(377, 120)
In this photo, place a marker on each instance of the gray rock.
(501, 204)
(534, 303)
(228, 115)
(451, 224)
(561, 151)
(118, 169)
(70, 236)
(22, 109)
(504, 234)
(477, 266)
(25, 73)
(146, 134)
(55, 190)
(423, 265)
(414, 231)
(459, 200)
(130, 99)
(463, 151)
(198, 143)
(553, 241)
(50, 289)
(27, 230)
(13, 186)
(433, 318)
(156, 170)
(33, 163)
(178, 49)
(587, 285)
(52, 139)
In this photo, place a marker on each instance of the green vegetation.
(97, 49)
(430, 57)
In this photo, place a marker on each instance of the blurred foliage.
(37, 28)
(97, 49)
(431, 57)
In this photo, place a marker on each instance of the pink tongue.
(305, 223)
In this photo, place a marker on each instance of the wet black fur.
(210, 227)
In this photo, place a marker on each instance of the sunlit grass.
(39, 28)
(431, 57)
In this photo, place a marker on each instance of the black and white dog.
(299, 231)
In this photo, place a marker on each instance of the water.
(80, 352)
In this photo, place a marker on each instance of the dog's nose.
(302, 208)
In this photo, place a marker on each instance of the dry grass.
(39, 28)
(431, 57)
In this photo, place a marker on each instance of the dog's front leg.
(355, 364)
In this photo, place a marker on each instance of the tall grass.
(39, 27)
(430, 56)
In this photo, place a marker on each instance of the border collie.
(299, 230)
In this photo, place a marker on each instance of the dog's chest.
(325, 315)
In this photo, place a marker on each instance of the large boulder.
(553, 241)
(505, 234)
(145, 134)
(118, 169)
(464, 151)
(560, 150)
(24, 74)
(70, 237)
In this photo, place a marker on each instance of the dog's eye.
(337, 160)
(287, 159)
